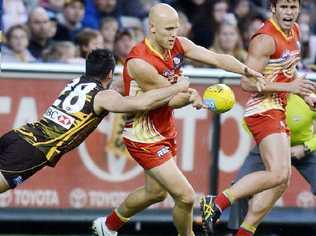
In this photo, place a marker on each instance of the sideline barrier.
(99, 174)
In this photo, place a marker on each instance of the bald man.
(150, 137)
(40, 27)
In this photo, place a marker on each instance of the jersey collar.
(147, 43)
(277, 27)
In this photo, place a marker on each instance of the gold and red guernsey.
(280, 68)
(158, 124)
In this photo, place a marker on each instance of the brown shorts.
(19, 159)
(266, 123)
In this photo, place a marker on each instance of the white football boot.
(100, 229)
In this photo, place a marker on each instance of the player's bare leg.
(169, 176)
(260, 205)
(3, 184)
(159, 181)
(141, 198)
(135, 202)
(275, 153)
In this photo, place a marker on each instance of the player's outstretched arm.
(185, 98)
(259, 52)
(146, 76)
(112, 101)
(223, 61)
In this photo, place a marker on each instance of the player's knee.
(157, 196)
(186, 197)
(161, 196)
(281, 177)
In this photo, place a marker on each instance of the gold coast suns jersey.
(281, 67)
(67, 122)
(157, 124)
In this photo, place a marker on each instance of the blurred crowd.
(65, 31)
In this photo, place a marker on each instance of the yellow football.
(219, 98)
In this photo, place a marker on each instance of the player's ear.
(273, 9)
(152, 28)
(109, 76)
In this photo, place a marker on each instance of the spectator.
(88, 40)
(310, 5)
(123, 44)
(219, 11)
(41, 31)
(244, 11)
(98, 9)
(108, 28)
(252, 28)
(14, 12)
(62, 52)
(52, 28)
(135, 26)
(305, 26)
(198, 11)
(185, 25)
(136, 8)
(69, 22)
(16, 49)
(53, 7)
(228, 40)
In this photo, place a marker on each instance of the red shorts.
(266, 123)
(150, 155)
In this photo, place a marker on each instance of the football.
(219, 98)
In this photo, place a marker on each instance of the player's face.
(165, 31)
(286, 13)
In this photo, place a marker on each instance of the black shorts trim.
(19, 159)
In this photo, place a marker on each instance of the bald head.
(38, 13)
(163, 25)
(161, 11)
(39, 24)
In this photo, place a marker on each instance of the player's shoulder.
(138, 49)
(262, 44)
(262, 39)
(139, 64)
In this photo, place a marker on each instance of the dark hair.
(99, 63)
(274, 2)
(15, 27)
(84, 37)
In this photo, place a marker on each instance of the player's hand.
(260, 83)
(183, 82)
(196, 99)
(311, 101)
(258, 77)
(302, 86)
(297, 152)
(248, 72)
(173, 78)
